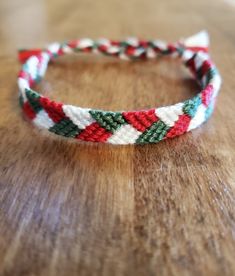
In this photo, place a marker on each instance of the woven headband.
(123, 127)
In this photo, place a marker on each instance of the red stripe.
(54, 110)
(73, 44)
(94, 133)
(103, 48)
(180, 126)
(206, 66)
(198, 49)
(207, 94)
(191, 64)
(143, 43)
(29, 111)
(140, 120)
(25, 75)
(23, 55)
(130, 50)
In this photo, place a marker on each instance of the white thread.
(169, 114)
(199, 117)
(42, 120)
(85, 43)
(79, 116)
(126, 134)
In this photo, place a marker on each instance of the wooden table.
(88, 209)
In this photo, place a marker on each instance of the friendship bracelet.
(122, 127)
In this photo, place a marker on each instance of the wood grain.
(70, 208)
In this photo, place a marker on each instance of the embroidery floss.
(123, 127)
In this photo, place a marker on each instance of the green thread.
(180, 50)
(199, 73)
(210, 74)
(65, 128)
(124, 44)
(209, 110)
(153, 134)
(33, 99)
(111, 121)
(190, 106)
(21, 100)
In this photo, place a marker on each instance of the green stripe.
(190, 106)
(33, 99)
(111, 121)
(154, 134)
(65, 128)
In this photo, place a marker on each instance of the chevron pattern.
(124, 127)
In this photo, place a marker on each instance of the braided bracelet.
(124, 127)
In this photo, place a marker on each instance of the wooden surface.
(87, 209)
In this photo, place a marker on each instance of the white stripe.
(32, 64)
(23, 84)
(124, 56)
(200, 39)
(139, 51)
(44, 63)
(126, 134)
(113, 49)
(187, 54)
(67, 49)
(169, 114)
(216, 82)
(133, 41)
(199, 118)
(162, 45)
(54, 47)
(79, 116)
(84, 43)
(42, 120)
(103, 41)
(151, 53)
(199, 59)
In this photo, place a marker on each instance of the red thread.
(115, 43)
(23, 55)
(25, 75)
(206, 66)
(207, 94)
(94, 133)
(143, 43)
(180, 126)
(103, 48)
(141, 119)
(73, 44)
(29, 111)
(53, 109)
(198, 49)
(191, 64)
(171, 48)
(130, 50)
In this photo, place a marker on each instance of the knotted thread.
(123, 127)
